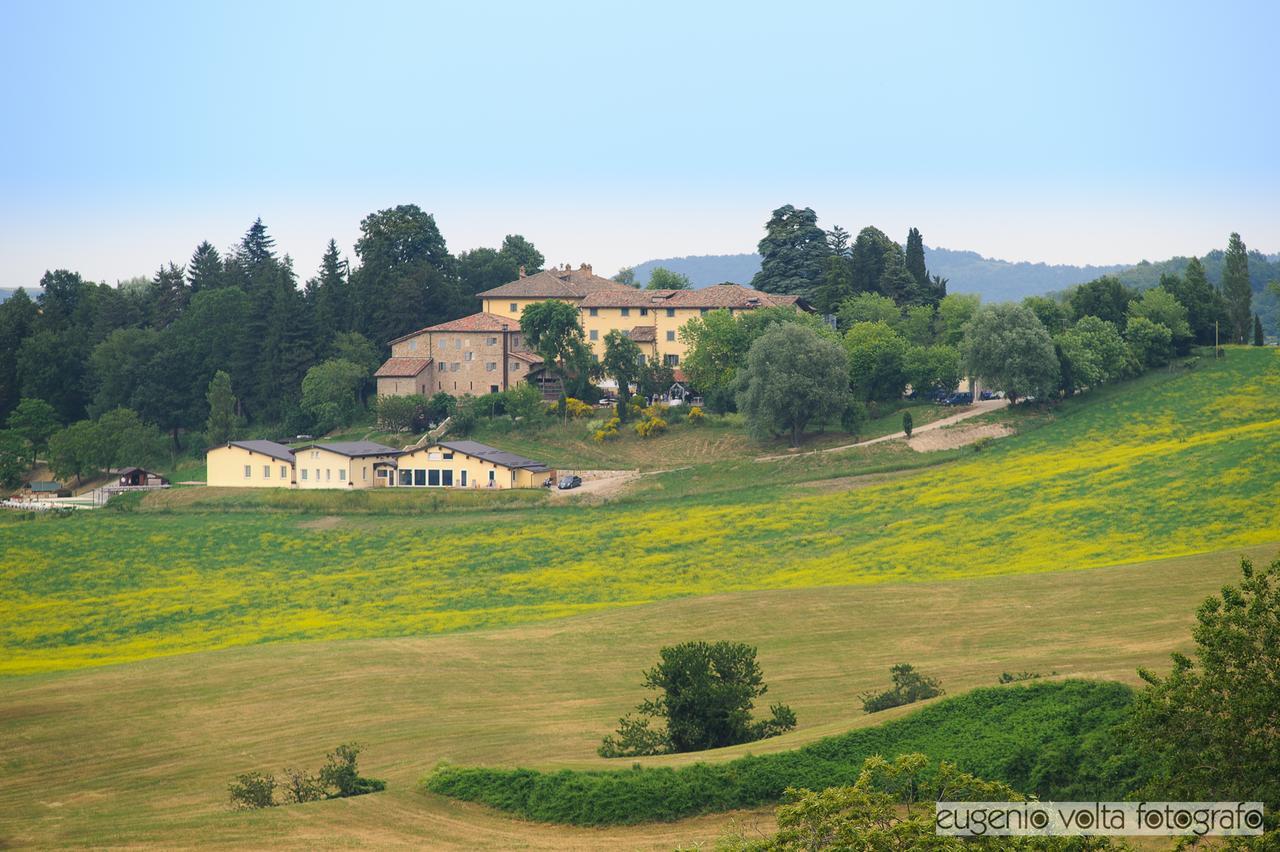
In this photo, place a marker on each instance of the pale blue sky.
(1069, 132)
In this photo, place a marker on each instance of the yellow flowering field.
(1166, 466)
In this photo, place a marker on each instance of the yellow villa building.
(483, 353)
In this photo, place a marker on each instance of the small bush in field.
(909, 686)
(577, 408)
(253, 790)
(338, 778)
(1015, 677)
(607, 432)
(651, 426)
(696, 415)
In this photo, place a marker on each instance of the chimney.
(522, 272)
(586, 267)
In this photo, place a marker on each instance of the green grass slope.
(1170, 464)
(1056, 740)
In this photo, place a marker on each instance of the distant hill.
(969, 272)
(5, 294)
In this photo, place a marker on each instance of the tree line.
(895, 329)
(154, 345)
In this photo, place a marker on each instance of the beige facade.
(468, 464)
(477, 354)
(250, 464)
(322, 466)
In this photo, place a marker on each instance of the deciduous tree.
(792, 377)
(1007, 348)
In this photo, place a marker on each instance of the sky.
(610, 133)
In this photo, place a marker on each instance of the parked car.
(607, 402)
(986, 394)
(567, 482)
(303, 438)
(958, 399)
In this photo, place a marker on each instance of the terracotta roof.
(644, 334)
(716, 296)
(402, 367)
(526, 356)
(556, 284)
(478, 322)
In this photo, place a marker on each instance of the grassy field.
(1172, 464)
(139, 754)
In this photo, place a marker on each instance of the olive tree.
(792, 377)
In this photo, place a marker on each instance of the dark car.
(567, 482)
(959, 399)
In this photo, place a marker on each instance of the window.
(644, 312)
(457, 343)
(317, 474)
(433, 478)
(671, 312)
(413, 345)
(491, 341)
(454, 368)
(493, 388)
(490, 366)
(626, 312)
(328, 474)
(467, 357)
(284, 472)
(248, 471)
(514, 308)
(266, 471)
(304, 474)
(671, 360)
(595, 312)
(342, 475)
(419, 477)
(406, 477)
(702, 311)
(364, 473)
(671, 335)
(515, 365)
(464, 479)
(595, 334)
(492, 476)
(446, 477)
(515, 341)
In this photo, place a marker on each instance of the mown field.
(1171, 464)
(139, 755)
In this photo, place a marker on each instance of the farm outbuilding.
(137, 477)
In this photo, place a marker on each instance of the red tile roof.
(527, 357)
(478, 322)
(644, 334)
(402, 368)
(716, 296)
(556, 284)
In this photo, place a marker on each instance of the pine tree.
(1237, 292)
(838, 241)
(256, 247)
(1257, 330)
(222, 423)
(171, 295)
(896, 281)
(329, 295)
(205, 270)
(793, 253)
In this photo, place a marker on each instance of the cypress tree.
(1236, 289)
(915, 259)
(1257, 330)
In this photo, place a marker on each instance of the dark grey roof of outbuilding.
(493, 454)
(352, 449)
(267, 448)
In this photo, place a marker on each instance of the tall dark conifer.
(793, 253)
(204, 272)
(170, 295)
(1237, 292)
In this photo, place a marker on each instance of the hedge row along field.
(1166, 465)
(1056, 740)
